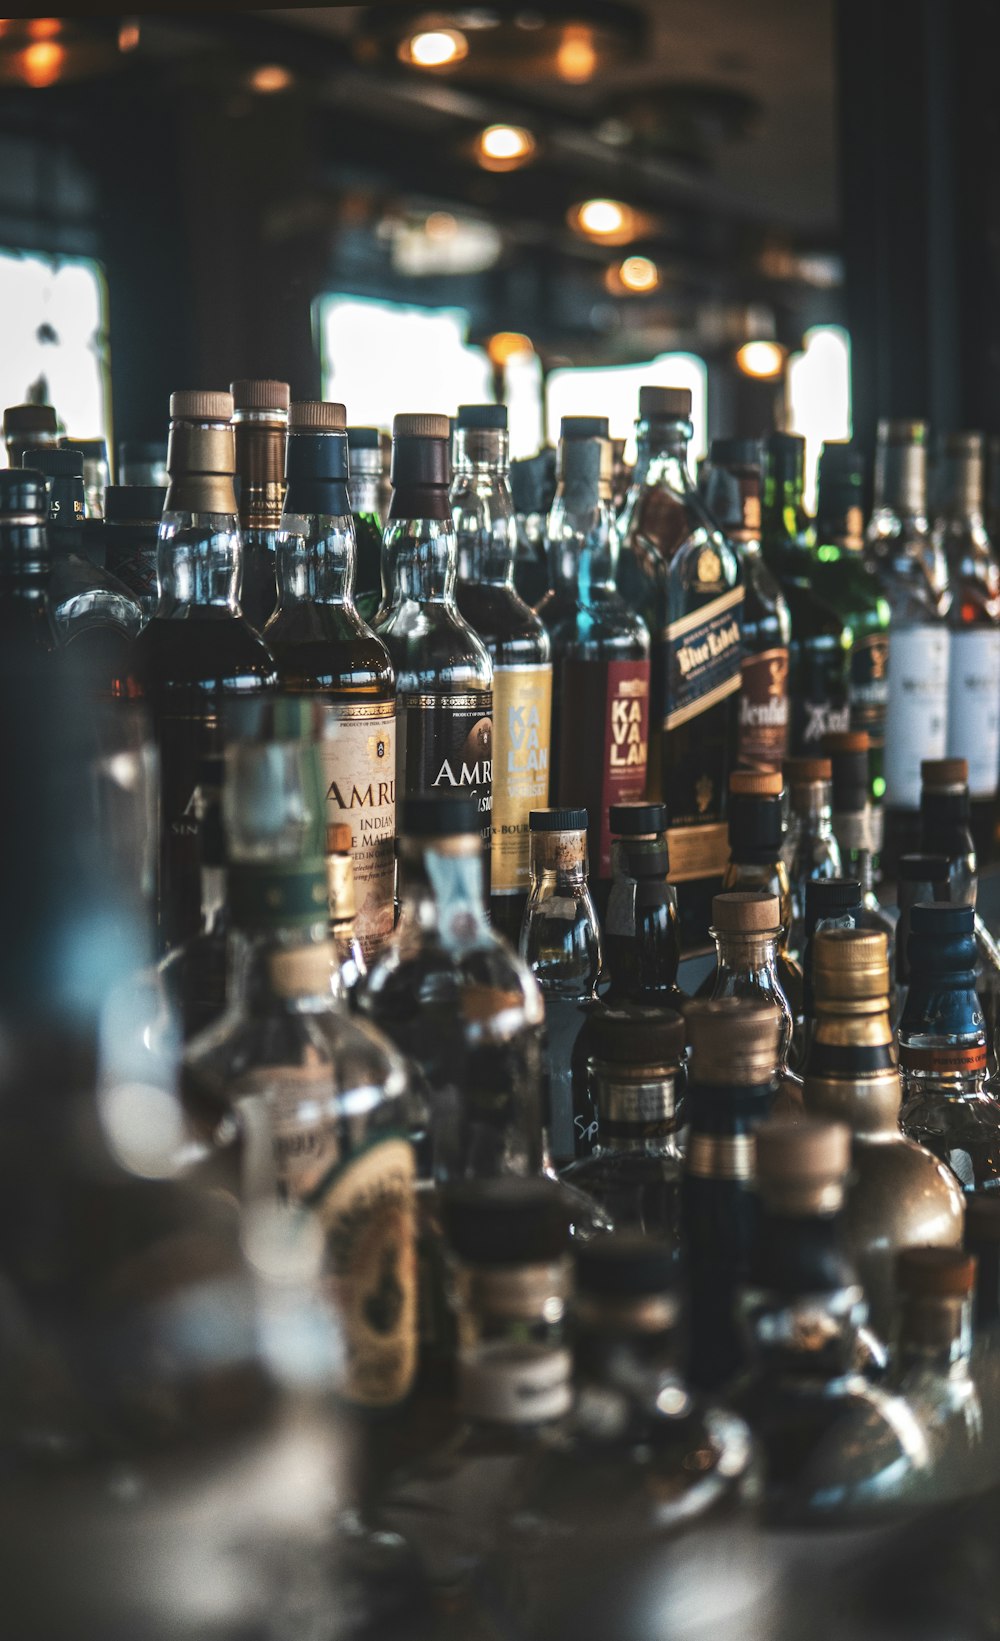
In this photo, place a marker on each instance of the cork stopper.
(746, 911)
(850, 965)
(936, 774)
(196, 406)
(406, 426)
(261, 395)
(317, 416)
(803, 771)
(935, 1273)
(755, 783)
(338, 838)
(733, 1041)
(802, 1164)
(846, 740)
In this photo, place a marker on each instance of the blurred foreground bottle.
(933, 1367)
(27, 426)
(195, 971)
(25, 618)
(810, 848)
(260, 426)
(532, 488)
(132, 514)
(366, 489)
(641, 933)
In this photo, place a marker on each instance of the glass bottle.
(945, 822)
(194, 973)
(900, 1195)
(366, 491)
(919, 878)
(96, 472)
(747, 929)
(600, 650)
(311, 1104)
(819, 652)
(932, 1370)
(28, 426)
(532, 489)
(947, 1105)
(198, 656)
(260, 426)
(810, 849)
(982, 1241)
(831, 903)
(25, 619)
(641, 939)
(959, 534)
(634, 1169)
(732, 1081)
(328, 657)
(519, 647)
(561, 944)
(836, 1449)
(444, 676)
(914, 579)
(662, 511)
(732, 491)
(143, 462)
(457, 1002)
(857, 823)
(132, 514)
(848, 584)
(756, 863)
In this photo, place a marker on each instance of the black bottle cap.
(421, 451)
(754, 828)
(636, 820)
(942, 917)
(318, 459)
(848, 753)
(506, 1221)
(433, 815)
(634, 1035)
(944, 808)
(96, 449)
(919, 868)
(55, 464)
(736, 453)
(133, 503)
(942, 940)
(485, 416)
(364, 438)
(786, 456)
(665, 404)
(625, 1265)
(831, 897)
(557, 820)
(583, 427)
(23, 493)
(533, 483)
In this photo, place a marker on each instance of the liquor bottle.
(959, 534)
(842, 576)
(947, 1105)
(634, 1169)
(312, 1103)
(641, 940)
(260, 425)
(444, 676)
(857, 823)
(810, 848)
(349, 956)
(835, 1448)
(919, 878)
(194, 973)
(734, 1049)
(561, 944)
(914, 579)
(519, 648)
(132, 514)
(366, 491)
(96, 472)
(143, 462)
(198, 655)
(457, 1002)
(732, 491)
(756, 863)
(747, 929)
(945, 824)
(900, 1195)
(532, 489)
(933, 1367)
(600, 650)
(25, 618)
(661, 511)
(831, 903)
(327, 656)
(819, 652)
(982, 1241)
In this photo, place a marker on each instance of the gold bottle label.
(358, 757)
(522, 724)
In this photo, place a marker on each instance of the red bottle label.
(626, 746)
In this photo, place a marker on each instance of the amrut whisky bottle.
(519, 646)
(325, 652)
(198, 653)
(444, 676)
(600, 724)
(365, 488)
(260, 423)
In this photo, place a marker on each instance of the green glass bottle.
(366, 488)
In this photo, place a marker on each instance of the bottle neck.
(851, 1073)
(442, 890)
(285, 970)
(365, 493)
(316, 558)
(812, 809)
(936, 1336)
(783, 515)
(804, 1307)
(901, 482)
(199, 561)
(514, 1368)
(582, 545)
(962, 489)
(260, 467)
(483, 508)
(420, 561)
(638, 1107)
(25, 560)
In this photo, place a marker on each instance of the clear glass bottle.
(914, 577)
(836, 1449)
(29, 427)
(444, 675)
(519, 647)
(366, 488)
(25, 619)
(747, 930)
(600, 649)
(947, 1105)
(533, 489)
(454, 998)
(132, 514)
(561, 944)
(932, 1369)
(198, 655)
(756, 833)
(900, 1196)
(312, 1105)
(734, 1047)
(641, 935)
(810, 848)
(326, 655)
(194, 973)
(260, 427)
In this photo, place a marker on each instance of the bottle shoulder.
(211, 647)
(606, 623)
(430, 643)
(325, 646)
(508, 627)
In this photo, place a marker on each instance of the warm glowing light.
(761, 359)
(637, 274)
(44, 28)
(42, 63)
(440, 225)
(507, 344)
(504, 147)
(605, 219)
(576, 58)
(270, 77)
(435, 48)
(128, 36)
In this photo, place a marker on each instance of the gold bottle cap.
(937, 773)
(338, 838)
(746, 911)
(195, 406)
(261, 395)
(801, 771)
(849, 964)
(935, 1273)
(847, 740)
(317, 416)
(733, 1041)
(802, 1163)
(405, 426)
(755, 783)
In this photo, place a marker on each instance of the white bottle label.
(917, 715)
(974, 706)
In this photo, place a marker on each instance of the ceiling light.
(637, 274)
(434, 48)
(576, 57)
(605, 219)
(761, 359)
(42, 63)
(507, 344)
(128, 35)
(504, 147)
(270, 77)
(44, 28)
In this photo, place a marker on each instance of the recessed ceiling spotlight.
(504, 147)
(761, 359)
(607, 220)
(269, 78)
(636, 274)
(508, 344)
(576, 55)
(434, 48)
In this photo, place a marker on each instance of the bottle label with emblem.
(916, 724)
(522, 724)
(974, 706)
(603, 743)
(445, 744)
(819, 689)
(763, 723)
(704, 654)
(869, 685)
(357, 752)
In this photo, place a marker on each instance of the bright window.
(53, 339)
(819, 395)
(613, 391)
(381, 357)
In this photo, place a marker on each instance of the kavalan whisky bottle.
(260, 423)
